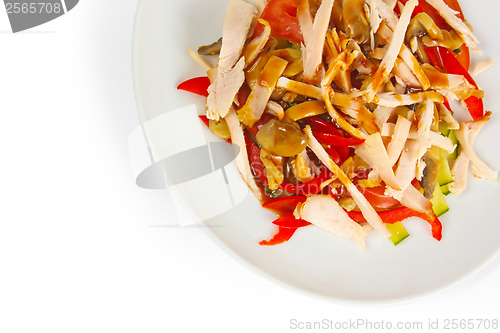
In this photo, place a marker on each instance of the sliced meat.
(230, 75)
(324, 212)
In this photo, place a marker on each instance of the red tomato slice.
(377, 198)
(286, 204)
(282, 17)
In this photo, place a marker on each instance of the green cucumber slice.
(453, 137)
(446, 189)
(439, 205)
(444, 129)
(398, 232)
(444, 174)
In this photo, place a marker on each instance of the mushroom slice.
(211, 49)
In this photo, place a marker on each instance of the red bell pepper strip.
(434, 58)
(446, 103)
(289, 221)
(197, 85)
(334, 154)
(463, 56)
(437, 227)
(319, 125)
(399, 214)
(446, 62)
(285, 204)
(283, 235)
(475, 106)
(258, 168)
(453, 66)
(344, 153)
(205, 120)
(335, 140)
(287, 224)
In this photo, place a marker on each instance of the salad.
(345, 112)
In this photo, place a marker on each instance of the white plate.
(314, 261)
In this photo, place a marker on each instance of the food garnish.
(344, 111)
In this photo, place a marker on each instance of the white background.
(79, 250)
